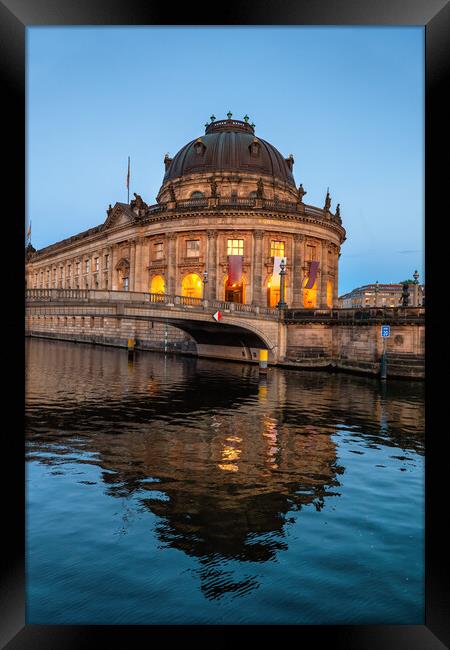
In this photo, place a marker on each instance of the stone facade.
(202, 217)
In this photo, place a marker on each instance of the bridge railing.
(109, 296)
(357, 315)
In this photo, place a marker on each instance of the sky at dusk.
(347, 102)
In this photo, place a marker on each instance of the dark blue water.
(174, 490)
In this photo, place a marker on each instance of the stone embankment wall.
(111, 331)
(356, 348)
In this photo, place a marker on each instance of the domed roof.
(229, 146)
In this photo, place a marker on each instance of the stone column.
(132, 276)
(336, 256)
(139, 270)
(114, 261)
(297, 272)
(322, 293)
(211, 264)
(257, 268)
(171, 240)
(110, 267)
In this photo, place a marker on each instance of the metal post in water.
(383, 364)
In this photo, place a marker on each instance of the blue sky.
(347, 102)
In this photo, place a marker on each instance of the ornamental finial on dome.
(246, 118)
(212, 118)
(229, 115)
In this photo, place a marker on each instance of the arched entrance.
(191, 286)
(273, 293)
(235, 292)
(309, 295)
(158, 285)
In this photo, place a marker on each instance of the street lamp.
(205, 282)
(405, 295)
(282, 304)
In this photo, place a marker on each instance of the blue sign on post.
(385, 330)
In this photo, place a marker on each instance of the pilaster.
(297, 273)
(212, 264)
(257, 267)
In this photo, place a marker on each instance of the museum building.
(227, 215)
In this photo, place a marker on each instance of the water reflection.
(221, 456)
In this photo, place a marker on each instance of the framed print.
(226, 371)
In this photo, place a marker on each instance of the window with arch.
(197, 195)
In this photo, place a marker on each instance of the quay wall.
(357, 348)
(348, 347)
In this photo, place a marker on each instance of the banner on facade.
(312, 275)
(235, 268)
(275, 282)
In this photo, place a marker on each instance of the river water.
(174, 490)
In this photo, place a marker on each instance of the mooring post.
(130, 346)
(263, 356)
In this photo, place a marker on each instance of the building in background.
(382, 295)
(226, 214)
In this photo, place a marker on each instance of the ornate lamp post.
(405, 295)
(205, 282)
(281, 303)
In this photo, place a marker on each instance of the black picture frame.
(15, 17)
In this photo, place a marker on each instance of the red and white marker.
(217, 316)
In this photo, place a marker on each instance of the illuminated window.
(329, 294)
(235, 247)
(159, 250)
(193, 248)
(277, 249)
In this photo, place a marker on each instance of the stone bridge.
(240, 333)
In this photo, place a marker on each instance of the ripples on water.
(176, 490)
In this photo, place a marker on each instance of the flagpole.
(128, 180)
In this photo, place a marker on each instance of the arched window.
(197, 195)
(253, 195)
(191, 286)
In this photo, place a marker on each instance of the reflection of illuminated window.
(235, 247)
(277, 249)
(193, 248)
